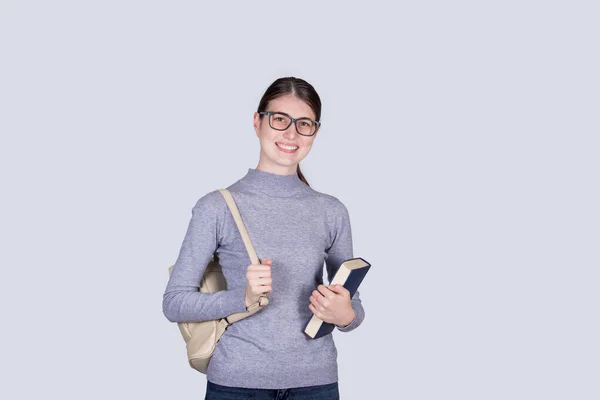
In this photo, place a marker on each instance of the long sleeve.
(340, 250)
(182, 301)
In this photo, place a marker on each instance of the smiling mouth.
(286, 149)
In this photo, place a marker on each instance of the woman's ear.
(256, 122)
(317, 132)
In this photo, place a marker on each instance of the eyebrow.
(282, 112)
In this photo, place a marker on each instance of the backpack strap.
(240, 224)
(263, 299)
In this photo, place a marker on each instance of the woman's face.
(272, 157)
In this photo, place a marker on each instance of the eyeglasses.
(281, 121)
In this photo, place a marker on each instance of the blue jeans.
(319, 392)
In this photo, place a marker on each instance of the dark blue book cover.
(350, 275)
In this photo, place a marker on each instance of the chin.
(283, 163)
(286, 163)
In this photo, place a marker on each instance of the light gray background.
(462, 137)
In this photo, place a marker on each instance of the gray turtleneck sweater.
(300, 230)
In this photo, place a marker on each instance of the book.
(350, 274)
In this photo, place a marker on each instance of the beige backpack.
(201, 337)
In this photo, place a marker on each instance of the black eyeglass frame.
(292, 121)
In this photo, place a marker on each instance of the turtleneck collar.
(274, 184)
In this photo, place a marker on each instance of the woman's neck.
(273, 184)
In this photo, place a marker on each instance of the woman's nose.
(290, 131)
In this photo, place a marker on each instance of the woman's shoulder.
(329, 201)
(212, 201)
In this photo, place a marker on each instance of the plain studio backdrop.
(462, 137)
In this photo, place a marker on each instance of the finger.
(259, 280)
(259, 270)
(259, 283)
(314, 301)
(324, 291)
(256, 278)
(318, 313)
(337, 288)
(259, 267)
(322, 303)
(263, 281)
(261, 289)
(258, 274)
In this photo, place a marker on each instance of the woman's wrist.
(350, 319)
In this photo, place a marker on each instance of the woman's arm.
(182, 301)
(339, 251)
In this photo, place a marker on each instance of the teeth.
(287, 147)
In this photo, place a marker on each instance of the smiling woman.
(286, 122)
(295, 230)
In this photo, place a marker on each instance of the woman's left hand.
(332, 304)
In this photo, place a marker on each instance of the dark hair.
(297, 87)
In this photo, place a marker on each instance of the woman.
(295, 230)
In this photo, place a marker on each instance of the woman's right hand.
(259, 281)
